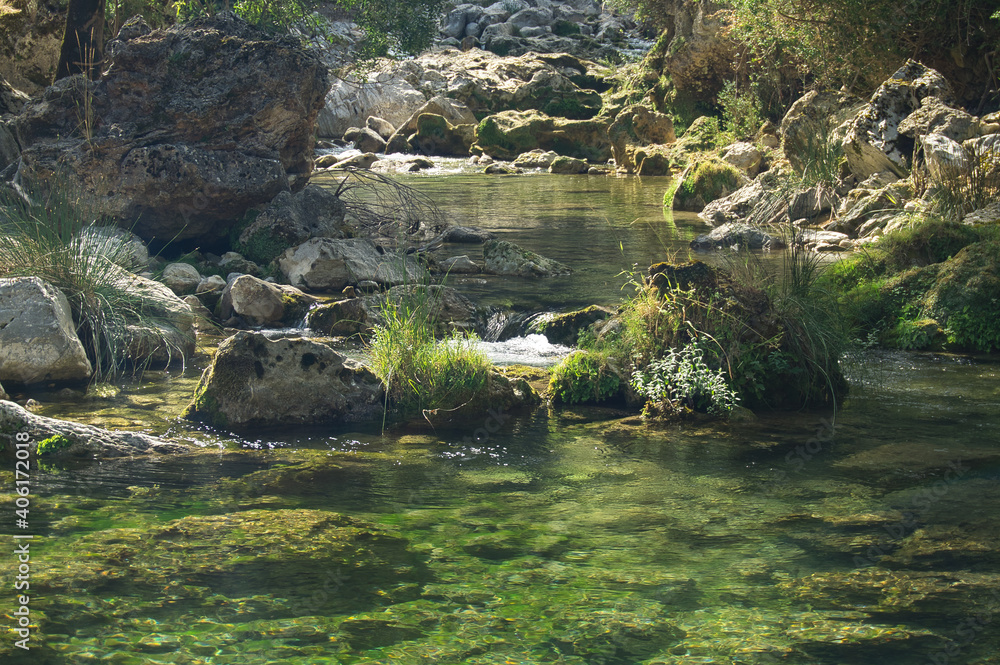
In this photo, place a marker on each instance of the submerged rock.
(290, 554)
(38, 340)
(67, 439)
(505, 258)
(739, 235)
(257, 382)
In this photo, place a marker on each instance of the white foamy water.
(534, 350)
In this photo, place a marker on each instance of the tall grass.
(419, 372)
(967, 184)
(57, 237)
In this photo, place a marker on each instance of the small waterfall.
(503, 324)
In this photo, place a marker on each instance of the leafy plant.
(681, 379)
(584, 376)
(742, 113)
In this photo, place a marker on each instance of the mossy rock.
(702, 134)
(565, 328)
(507, 134)
(706, 180)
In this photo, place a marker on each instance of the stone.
(436, 136)
(340, 319)
(530, 17)
(290, 220)
(357, 161)
(325, 264)
(453, 111)
(704, 181)
(745, 156)
(505, 258)
(365, 140)
(168, 335)
(570, 165)
(936, 117)
(203, 319)
(38, 340)
(507, 134)
(418, 164)
(535, 159)
(635, 128)
(459, 265)
(256, 382)
(210, 289)
(84, 441)
(181, 278)
(872, 142)
(943, 156)
(10, 151)
(565, 328)
(751, 203)
(815, 118)
(233, 111)
(380, 126)
(988, 215)
(465, 235)
(258, 302)
(12, 100)
(736, 234)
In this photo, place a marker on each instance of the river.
(861, 537)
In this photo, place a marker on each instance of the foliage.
(54, 237)
(709, 179)
(682, 379)
(395, 26)
(418, 371)
(742, 112)
(584, 376)
(929, 286)
(857, 42)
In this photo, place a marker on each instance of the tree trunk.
(83, 44)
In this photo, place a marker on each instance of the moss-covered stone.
(507, 134)
(705, 181)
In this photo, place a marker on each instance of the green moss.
(708, 180)
(53, 444)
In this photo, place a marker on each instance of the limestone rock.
(255, 382)
(535, 159)
(340, 319)
(815, 118)
(181, 278)
(12, 100)
(193, 125)
(873, 143)
(569, 165)
(261, 303)
(745, 156)
(753, 202)
(737, 234)
(436, 136)
(169, 335)
(459, 265)
(942, 155)
(565, 328)
(465, 235)
(38, 340)
(291, 219)
(365, 140)
(936, 117)
(380, 126)
(505, 258)
(325, 264)
(510, 133)
(635, 128)
(83, 440)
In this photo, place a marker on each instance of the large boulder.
(189, 127)
(936, 117)
(705, 181)
(38, 340)
(31, 34)
(694, 52)
(436, 136)
(814, 119)
(324, 264)
(634, 130)
(873, 142)
(290, 220)
(257, 382)
(735, 234)
(502, 257)
(167, 333)
(510, 133)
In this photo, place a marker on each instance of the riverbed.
(861, 536)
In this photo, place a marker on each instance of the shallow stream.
(865, 537)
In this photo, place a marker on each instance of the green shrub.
(584, 376)
(742, 112)
(681, 379)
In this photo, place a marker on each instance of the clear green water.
(554, 537)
